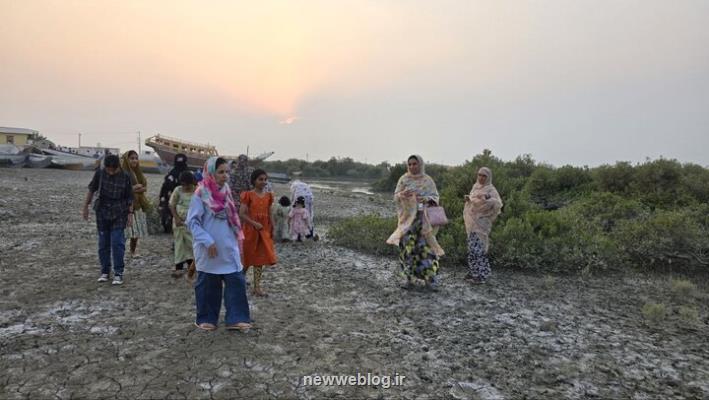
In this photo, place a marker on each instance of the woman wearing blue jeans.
(214, 222)
(114, 212)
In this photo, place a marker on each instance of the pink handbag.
(436, 216)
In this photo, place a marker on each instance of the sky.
(582, 82)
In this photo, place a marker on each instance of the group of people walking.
(415, 235)
(220, 230)
(226, 221)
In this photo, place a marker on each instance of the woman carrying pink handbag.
(415, 235)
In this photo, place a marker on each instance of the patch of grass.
(688, 315)
(364, 233)
(683, 289)
(654, 313)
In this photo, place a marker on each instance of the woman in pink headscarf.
(216, 230)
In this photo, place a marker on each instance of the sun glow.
(260, 57)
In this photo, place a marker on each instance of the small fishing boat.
(38, 161)
(12, 156)
(61, 159)
(167, 148)
(197, 154)
(151, 163)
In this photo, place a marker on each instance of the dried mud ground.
(331, 311)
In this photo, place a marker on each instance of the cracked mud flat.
(330, 311)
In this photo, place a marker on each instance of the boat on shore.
(167, 148)
(61, 159)
(38, 161)
(12, 156)
(151, 163)
(197, 154)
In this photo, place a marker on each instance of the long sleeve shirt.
(115, 196)
(207, 229)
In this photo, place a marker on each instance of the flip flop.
(240, 326)
(205, 326)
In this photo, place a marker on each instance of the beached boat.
(12, 156)
(35, 157)
(61, 159)
(167, 147)
(13, 160)
(197, 154)
(38, 161)
(151, 163)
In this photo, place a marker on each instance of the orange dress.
(258, 245)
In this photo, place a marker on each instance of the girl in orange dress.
(255, 211)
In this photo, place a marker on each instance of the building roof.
(17, 131)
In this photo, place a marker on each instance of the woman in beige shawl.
(482, 206)
(419, 250)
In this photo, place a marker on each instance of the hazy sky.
(579, 82)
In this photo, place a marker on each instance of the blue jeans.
(208, 296)
(111, 242)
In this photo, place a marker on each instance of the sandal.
(206, 326)
(239, 326)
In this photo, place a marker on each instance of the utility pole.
(139, 151)
(247, 150)
(80, 140)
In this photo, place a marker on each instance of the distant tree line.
(333, 168)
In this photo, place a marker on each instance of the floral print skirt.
(415, 255)
(478, 262)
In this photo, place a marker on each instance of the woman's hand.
(130, 220)
(407, 193)
(212, 251)
(257, 226)
(85, 212)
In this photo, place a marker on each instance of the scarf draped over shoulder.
(407, 206)
(482, 208)
(140, 201)
(219, 199)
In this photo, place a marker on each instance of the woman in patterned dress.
(482, 206)
(139, 229)
(419, 251)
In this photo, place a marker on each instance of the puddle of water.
(362, 191)
(321, 186)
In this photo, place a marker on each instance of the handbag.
(436, 216)
(97, 200)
